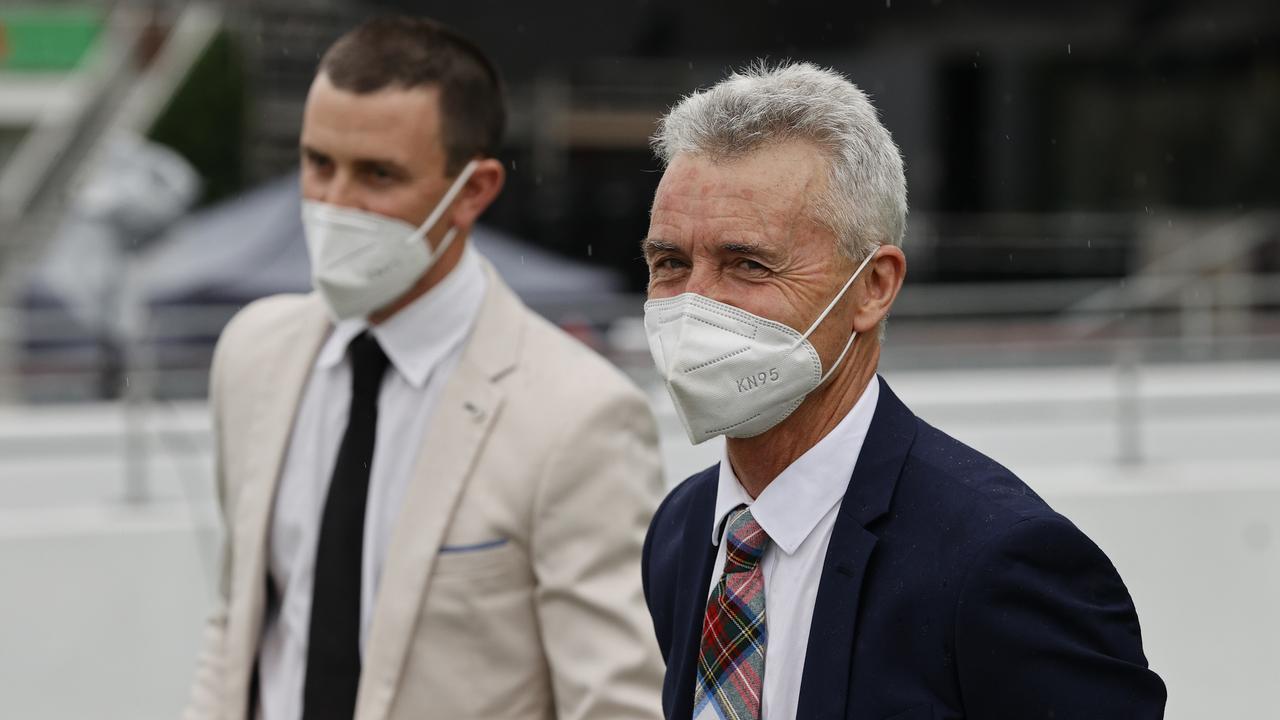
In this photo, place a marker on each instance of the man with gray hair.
(845, 559)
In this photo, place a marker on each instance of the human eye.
(381, 174)
(317, 161)
(750, 266)
(667, 267)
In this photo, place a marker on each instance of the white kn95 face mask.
(730, 372)
(362, 261)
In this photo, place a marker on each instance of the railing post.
(139, 390)
(1128, 405)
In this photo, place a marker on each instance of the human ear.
(478, 193)
(878, 287)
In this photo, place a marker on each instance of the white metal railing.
(60, 150)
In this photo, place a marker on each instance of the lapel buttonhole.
(477, 413)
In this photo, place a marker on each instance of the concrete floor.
(1177, 477)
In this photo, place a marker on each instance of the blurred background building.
(1093, 299)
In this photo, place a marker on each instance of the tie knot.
(368, 365)
(746, 542)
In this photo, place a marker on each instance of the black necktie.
(333, 645)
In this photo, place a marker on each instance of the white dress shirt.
(423, 342)
(798, 511)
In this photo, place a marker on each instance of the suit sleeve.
(597, 492)
(205, 702)
(1046, 628)
(645, 582)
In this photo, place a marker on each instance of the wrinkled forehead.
(769, 190)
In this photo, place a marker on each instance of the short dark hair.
(410, 52)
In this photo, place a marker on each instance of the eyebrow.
(741, 248)
(752, 249)
(362, 162)
(651, 246)
(392, 165)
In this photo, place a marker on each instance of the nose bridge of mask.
(346, 218)
(670, 320)
(729, 324)
(449, 196)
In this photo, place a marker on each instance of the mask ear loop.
(840, 359)
(444, 245)
(449, 196)
(830, 306)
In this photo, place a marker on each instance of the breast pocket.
(477, 653)
(493, 564)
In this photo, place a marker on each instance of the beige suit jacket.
(535, 439)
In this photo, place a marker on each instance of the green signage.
(46, 39)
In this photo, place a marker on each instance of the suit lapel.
(692, 584)
(828, 668)
(462, 421)
(286, 364)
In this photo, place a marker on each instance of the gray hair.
(865, 203)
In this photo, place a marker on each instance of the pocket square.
(473, 547)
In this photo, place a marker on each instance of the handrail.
(50, 146)
(56, 155)
(1185, 268)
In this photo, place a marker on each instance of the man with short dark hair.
(434, 500)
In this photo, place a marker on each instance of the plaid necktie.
(731, 663)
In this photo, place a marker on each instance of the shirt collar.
(422, 333)
(792, 505)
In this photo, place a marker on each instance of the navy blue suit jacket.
(950, 590)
